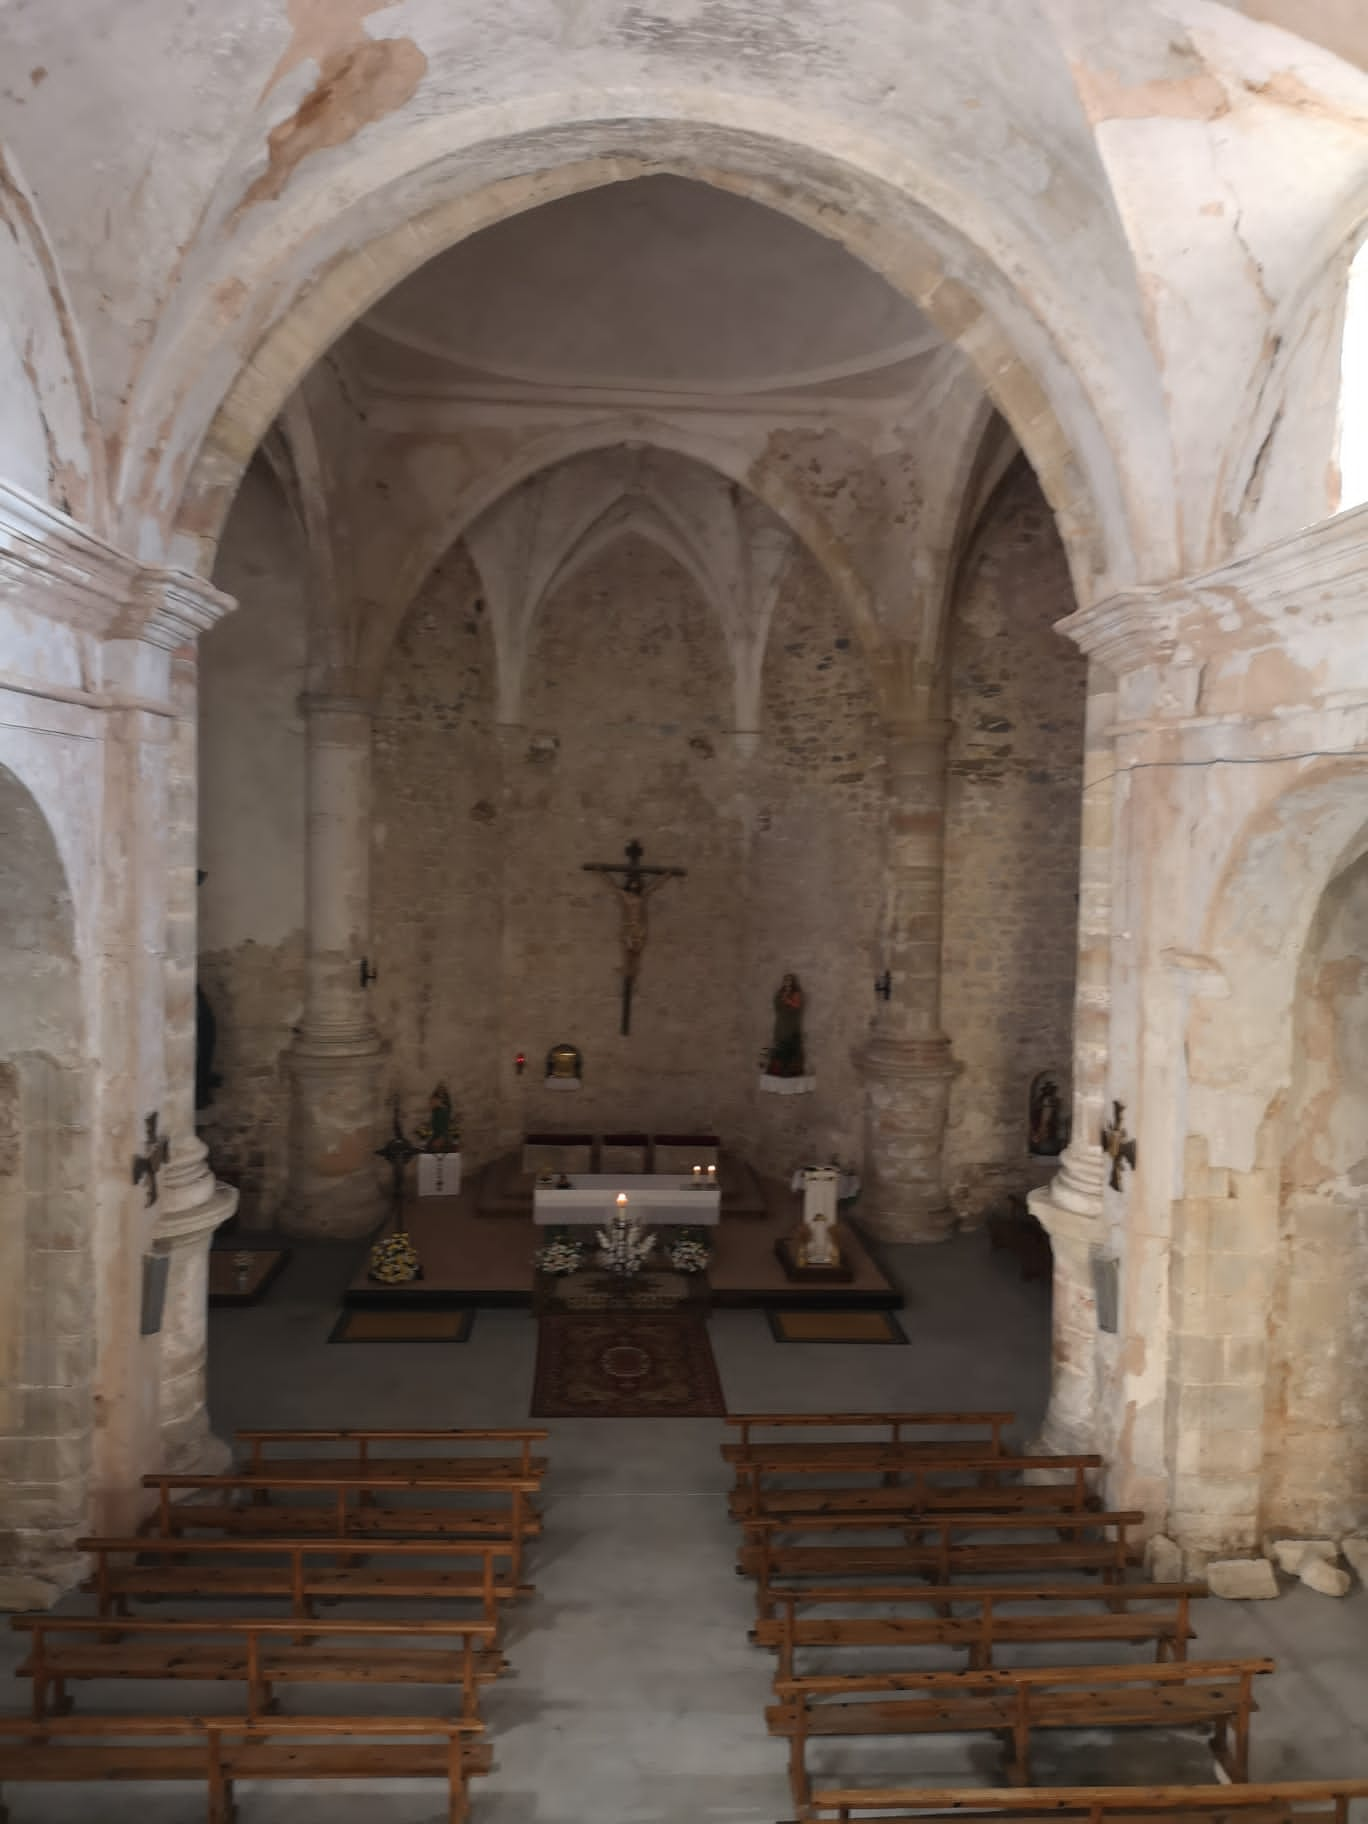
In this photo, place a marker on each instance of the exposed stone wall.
(1011, 873)
(819, 808)
(437, 872)
(251, 906)
(490, 937)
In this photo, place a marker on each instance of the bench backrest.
(259, 1443)
(1014, 1678)
(746, 1424)
(1093, 1803)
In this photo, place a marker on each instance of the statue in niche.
(786, 1056)
(440, 1135)
(1048, 1128)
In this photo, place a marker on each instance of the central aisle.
(635, 1697)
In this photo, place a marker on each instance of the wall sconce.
(520, 1062)
(368, 974)
(883, 986)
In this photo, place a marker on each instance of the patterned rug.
(835, 1327)
(625, 1365)
(402, 1327)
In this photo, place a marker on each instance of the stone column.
(192, 1203)
(1069, 1208)
(906, 1064)
(335, 1061)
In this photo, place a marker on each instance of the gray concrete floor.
(635, 1697)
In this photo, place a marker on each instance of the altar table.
(652, 1197)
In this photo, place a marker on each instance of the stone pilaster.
(192, 1202)
(335, 1062)
(905, 1065)
(1069, 1208)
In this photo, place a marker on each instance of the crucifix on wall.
(632, 884)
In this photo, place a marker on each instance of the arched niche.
(47, 1303)
(1317, 1417)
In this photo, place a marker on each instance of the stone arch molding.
(304, 278)
(49, 444)
(1240, 1030)
(524, 522)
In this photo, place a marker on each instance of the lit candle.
(698, 1171)
(622, 1200)
(712, 1171)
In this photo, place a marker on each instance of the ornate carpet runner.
(625, 1365)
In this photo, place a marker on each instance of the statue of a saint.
(439, 1135)
(786, 1053)
(1048, 1134)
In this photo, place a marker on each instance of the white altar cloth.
(652, 1197)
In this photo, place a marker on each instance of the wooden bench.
(364, 1453)
(1072, 1495)
(907, 1470)
(221, 1749)
(1287, 1802)
(986, 1619)
(305, 1571)
(895, 1423)
(934, 1547)
(351, 1507)
(1014, 1704)
(257, 1652)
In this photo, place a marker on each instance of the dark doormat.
(835, 1327)
(621, 1365)
(390, 1326)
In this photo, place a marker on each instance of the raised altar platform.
(472, 1258)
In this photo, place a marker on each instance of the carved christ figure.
(631, 885)
(633, 931)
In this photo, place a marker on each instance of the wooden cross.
(633, 890)
(1117, 1145)
(148, 1164)
(396, 1152)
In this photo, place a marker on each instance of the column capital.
(320, 708)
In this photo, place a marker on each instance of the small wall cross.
(148, 1164)
(1117, 1145)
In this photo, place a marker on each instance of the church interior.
(684, 738)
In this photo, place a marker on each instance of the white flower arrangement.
(690, 1254)
(562, 1254)
(622, 1246)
